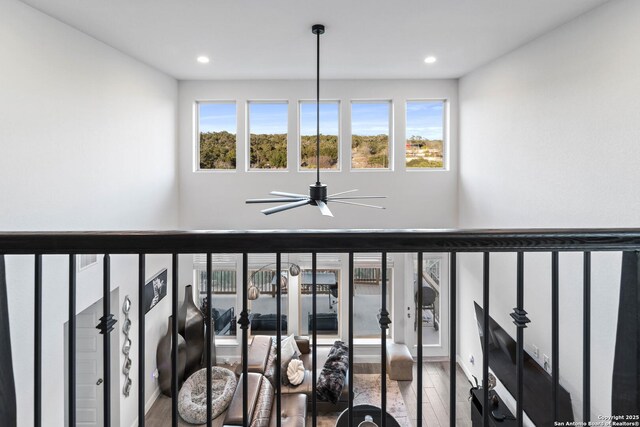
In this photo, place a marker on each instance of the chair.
(429, 296)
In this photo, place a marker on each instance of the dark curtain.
(625, 399)
(7, 385)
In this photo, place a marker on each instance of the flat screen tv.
(538, 385)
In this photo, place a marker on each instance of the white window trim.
(445, 135)
(391, 141)
(196, 136)
(247, 129)
(299, 135)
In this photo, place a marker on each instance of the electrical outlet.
(536, 351)
(547, 364)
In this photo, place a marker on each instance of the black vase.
(191, 327)
(163, 361)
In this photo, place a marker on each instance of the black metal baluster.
(72, 340)
(141, 343)
(418, 319)
(520, 319)
(106, 326)
(485, 341)
(314, 357)
(37, 340)
(174, 341)
(351, 360)
(278, 340)
(586, 341)
(555, 338)
(209, 335)
(244, 325)
(453, 305)
(384, 325)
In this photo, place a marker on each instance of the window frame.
(322, 338)
(196, 136)
(391, 140)
(299, 136)
(363, 260)
(247, 130)
(228, 264)
(445, 135)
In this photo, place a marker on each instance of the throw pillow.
(295, 371)
(289, 350)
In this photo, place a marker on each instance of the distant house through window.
(425, 135)
(216, 135)
(370, 131)
(329, 135)
(268, 126)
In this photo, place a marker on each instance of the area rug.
(367, 390)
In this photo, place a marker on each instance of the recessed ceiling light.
(203, 59)
(430, 59)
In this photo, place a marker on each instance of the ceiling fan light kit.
(318, 194)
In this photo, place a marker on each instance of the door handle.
(99, 381)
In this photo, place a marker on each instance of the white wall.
(549, 138)
(87, 142)
(215, 200)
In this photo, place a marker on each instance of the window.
(263, 315)
(370, 130)
(329, 135)
(216, 135)
(425, 135)
(327, 302)
(268, 122)
(223, 290)
(367, 282)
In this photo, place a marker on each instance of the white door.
(89, 360)
(434, 313)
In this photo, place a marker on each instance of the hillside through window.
(329, 135)
(425, 135)
(370, 129)
(217, 135)
(268, 123)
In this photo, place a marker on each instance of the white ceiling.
(249, 39)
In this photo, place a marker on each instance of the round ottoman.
(192, 398)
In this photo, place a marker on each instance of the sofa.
(262, 384)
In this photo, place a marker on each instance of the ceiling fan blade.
(324, 208)
(342, 192)
(357, 204)
(356, 197)
(292, 195)
(275, 200)
(285, 207)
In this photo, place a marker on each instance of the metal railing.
(314, 242)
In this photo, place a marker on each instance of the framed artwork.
(154, 290)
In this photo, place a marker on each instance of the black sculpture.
(191, 327)
(163, 360)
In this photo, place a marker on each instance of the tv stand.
(477, 397)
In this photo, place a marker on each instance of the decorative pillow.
(295, 372)
(289, 350)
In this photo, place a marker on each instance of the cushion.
(295, 371)
(334, 373)
(289, 350)
(262, 412)
(192, 398)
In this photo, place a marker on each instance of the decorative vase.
(163, 361)
(191, 327)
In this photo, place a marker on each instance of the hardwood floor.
(435, 394)
(435, 403)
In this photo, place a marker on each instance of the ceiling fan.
(317, 192)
